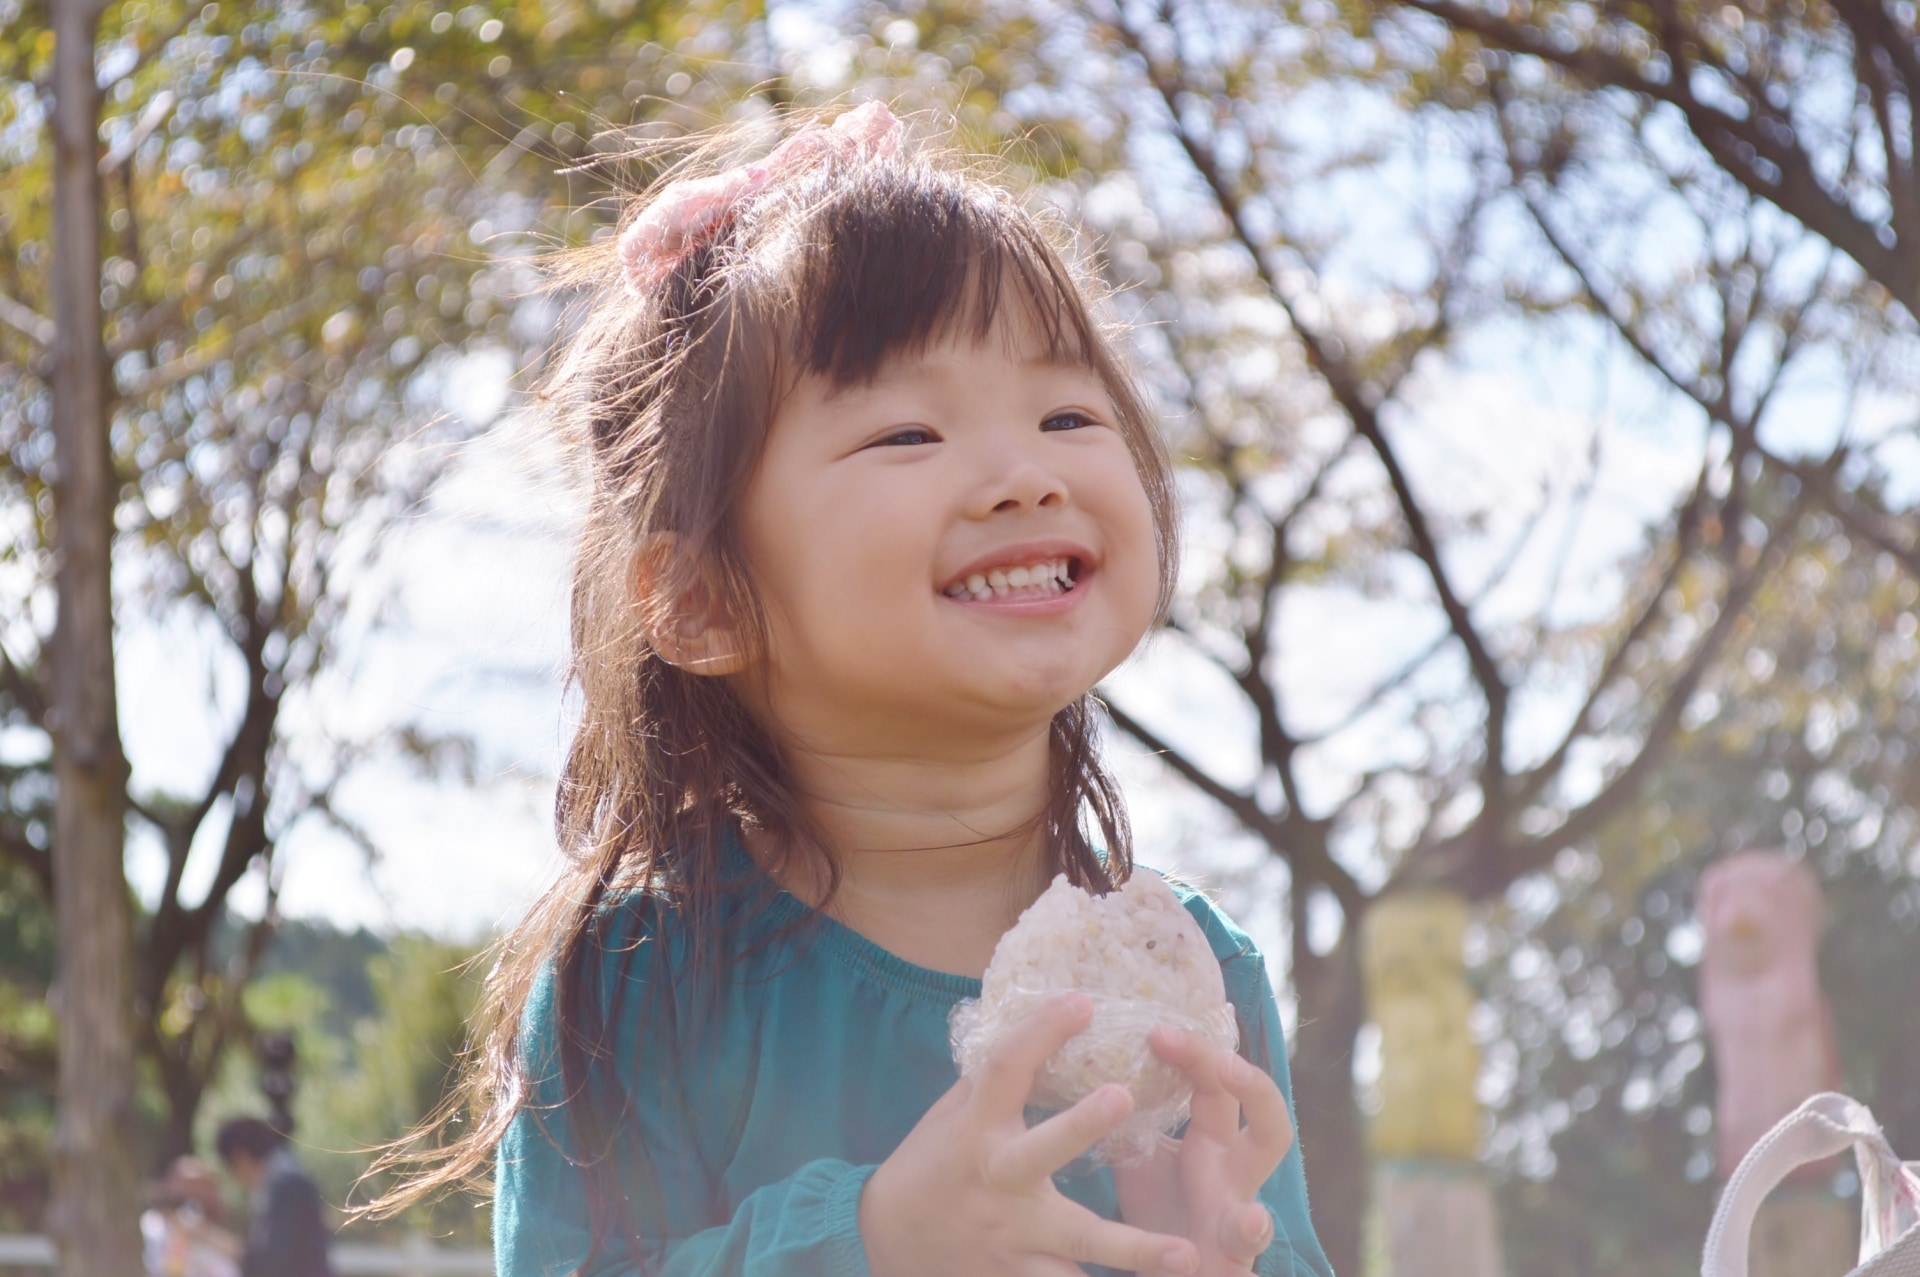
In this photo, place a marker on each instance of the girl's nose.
(1023, 485)
(1017, 471)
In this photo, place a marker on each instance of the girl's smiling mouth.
(1029, 574)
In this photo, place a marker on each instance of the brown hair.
(831, 270)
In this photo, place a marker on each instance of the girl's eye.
(906, 437)
(1068, 421)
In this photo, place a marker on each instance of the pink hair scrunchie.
(692, 210)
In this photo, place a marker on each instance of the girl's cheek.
(1145, 535)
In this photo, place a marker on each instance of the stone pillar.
(1772, 1037)
(1436, 1206)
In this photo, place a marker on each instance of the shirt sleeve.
(803, 1224)
(1296, 1248)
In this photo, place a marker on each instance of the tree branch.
(28, 322)
(155, 114)
(1845, 506)
(1308, 863)
(1485, 860)
(20, 685)
(1797, 191)
(1686, 539)
(203, 357)
(1358, 405)
(1625, 785)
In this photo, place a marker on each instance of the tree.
(302, 204)
(1613, 111)
(1806, 106)
(95, 1186)
(1604, 1125)
(1537, 692)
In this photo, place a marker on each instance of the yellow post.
(1437, 1209)
(1417, 993)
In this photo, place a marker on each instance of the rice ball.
(1142, 959)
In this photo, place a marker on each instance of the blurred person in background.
(287, 1233)
(183, 1232)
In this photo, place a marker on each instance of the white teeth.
(1054, 575)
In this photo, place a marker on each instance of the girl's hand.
(970, 1190)
(1206, 1186)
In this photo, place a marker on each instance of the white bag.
(1823, 1126)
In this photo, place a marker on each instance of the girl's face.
(958, 548)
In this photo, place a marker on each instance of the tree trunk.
(184, 1087)
(94, 1215)
(1332, 1137)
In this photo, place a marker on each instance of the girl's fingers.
(1269, 1129)
(1027, 1159)
(1079, 1236)
(1247, 1232)
(1006, 1076)
(1226, 1088)
(1047, 1266)
(1214, 1110)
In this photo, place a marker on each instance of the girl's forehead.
(951, 358)
(1005, 324)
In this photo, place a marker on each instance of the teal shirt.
(764, 1109)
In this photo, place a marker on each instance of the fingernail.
(1181, 1259)
(1115, 1101)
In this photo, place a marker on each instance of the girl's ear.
(684, 611)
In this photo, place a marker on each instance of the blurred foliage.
(1605, 1127)
(377, 1024)
(1806, 105)
(316, 216)
(1714, 181)
(26, 1047)
(365, 1076)
(401, 1069)
(338, 960)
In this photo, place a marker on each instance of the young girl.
(875, 504)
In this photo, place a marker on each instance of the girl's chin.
(985, 711)
(1030, 694)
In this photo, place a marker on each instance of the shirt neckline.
(844, 942)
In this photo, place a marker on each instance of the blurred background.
(1542, 375)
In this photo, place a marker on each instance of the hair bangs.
(908, 256)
